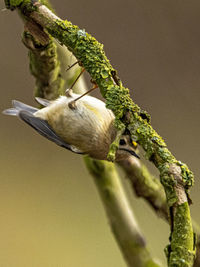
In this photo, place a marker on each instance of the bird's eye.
(122, 142)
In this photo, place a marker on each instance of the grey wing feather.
(21, 106)
(43, 128)
(42, 101)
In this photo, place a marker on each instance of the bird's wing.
(43, 128)
(42, 101)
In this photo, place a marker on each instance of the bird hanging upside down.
(84, 127)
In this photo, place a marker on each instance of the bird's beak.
(131, 151)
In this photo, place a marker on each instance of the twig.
(146, 185)
(121, 218)
(44, 63)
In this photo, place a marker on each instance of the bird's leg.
(72, 104)
(68, 92)
(71, 66)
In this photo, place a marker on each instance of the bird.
(85, 126)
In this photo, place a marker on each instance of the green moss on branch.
(43, 61)
(45, 67)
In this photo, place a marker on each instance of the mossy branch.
(175, 176)
(43, 60)
(121, 218)
(147, 186)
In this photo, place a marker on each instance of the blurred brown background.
(50, 212)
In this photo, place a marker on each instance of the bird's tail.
(17, 107)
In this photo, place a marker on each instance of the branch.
(175, 176)
(146, 186)
(121, 218)
(44, 63)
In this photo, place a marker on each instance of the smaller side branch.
(120, 216)
(43, 61)
(182, 235)
(145, 185)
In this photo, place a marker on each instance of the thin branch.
(120, 216)
(146, 185)
(44, 63)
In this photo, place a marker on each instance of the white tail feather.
(21, 106)
(11, 112)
